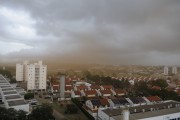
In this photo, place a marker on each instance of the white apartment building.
(32, 73)
(166, 70)
(19, 72)
(174, 70)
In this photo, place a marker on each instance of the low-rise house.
(114, 103)
(106, 87)
(156, 88)
(67, 95)
(93, 105)
(68, 88)
(153, 99)
(135, 101)
(90, 93)
(81, 88)
(104, 103)
(94, 87)
(55, 87)
(123, 101)
(119, 92)
(105, 93)
(75, 94)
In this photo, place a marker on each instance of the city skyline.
(86, 32)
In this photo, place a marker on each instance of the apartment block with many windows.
(32, 73)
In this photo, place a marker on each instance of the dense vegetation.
(29, 96)
(44, 112)
(8, 74)
(12, 114)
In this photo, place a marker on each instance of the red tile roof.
(104, 102)
(106, 92)
(54, 83)
(95, 87)
(77, 92)
(90, 92)
(55, 87)
(120, 91)
(156, 88)
(68, 88)
(82, 87)
(154, 98)
(178, 92)
(107, 86)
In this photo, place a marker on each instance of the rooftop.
(154, 99)
(5, 86)
(106, 92)
(16, 102)
(104, 102)
(12, 97)
(77, 92)
(68, 88)
(107, 86)
(10, 92)
(144, 111)
(95, 87)
(7, 89)
(120, 91)
(81, 87)
(90, 92)
(153, 113)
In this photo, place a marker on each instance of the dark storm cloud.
(103, 31)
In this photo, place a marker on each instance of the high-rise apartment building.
(166, 70)
(174, 70)
(32, 73)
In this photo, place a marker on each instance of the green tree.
(3, 113)
(6, 73)
(159, 82)
(44, 112)
(12, 80)
(11, 113)
(29, 96)
(21, 115)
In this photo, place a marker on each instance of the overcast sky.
(143, 32)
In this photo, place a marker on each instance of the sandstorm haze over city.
(144, 32)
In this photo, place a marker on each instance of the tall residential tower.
(166, 70)
(34, 74)
(174, 70)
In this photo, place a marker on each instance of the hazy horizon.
(90, 32)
